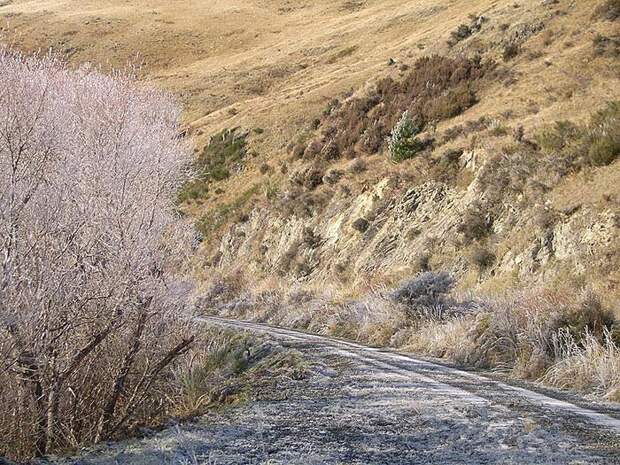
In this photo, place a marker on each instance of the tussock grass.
(594, 144)
(225, 367)
(608, 10)
(560, 337)
(591, 365)
(219, 215)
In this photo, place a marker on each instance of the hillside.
(512, 180)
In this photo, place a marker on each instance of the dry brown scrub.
(437, 88)
(564, 338)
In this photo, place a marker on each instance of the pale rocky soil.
(366, 406)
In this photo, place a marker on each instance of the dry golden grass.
(560, 337)
(275, 66)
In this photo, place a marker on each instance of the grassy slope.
(276, 64)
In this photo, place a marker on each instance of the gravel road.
(361, 405)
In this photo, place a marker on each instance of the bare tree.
(91, 253)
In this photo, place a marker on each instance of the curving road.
(362, 405)
(476, 419)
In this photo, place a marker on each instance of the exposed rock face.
(391, 234)
(396, 228)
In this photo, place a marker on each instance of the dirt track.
(368, 406)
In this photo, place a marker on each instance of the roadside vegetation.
(423, 172)
(96, 330)
(564, 338)
(93, 253)
(478, 162)
(226, 367)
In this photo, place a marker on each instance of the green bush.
(193, 190)
(604, 151)
(594, 144)
(221, 153)
(402, 143)
(463, 31)
(558, 136)
(225, 151)
(603, 135)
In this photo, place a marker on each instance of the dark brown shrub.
(330, 151)
(310, 238)
(476, 223)
(482, 258)
(435, 89)
(313, 179)
(333, 176)
(360, 225)
(463, 31)
(606, 46)
(357, 165)
(608, 10)
(313, 149)
(510, 51)
(298, 150)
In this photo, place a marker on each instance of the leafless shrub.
(90, 317)
(333, 176)
(355, 166)
(476, 223)
(426, 297)
(482, 258)
(374, 319)
(510, 51)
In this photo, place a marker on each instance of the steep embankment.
(479, 202)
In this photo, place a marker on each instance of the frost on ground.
(360, 406)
